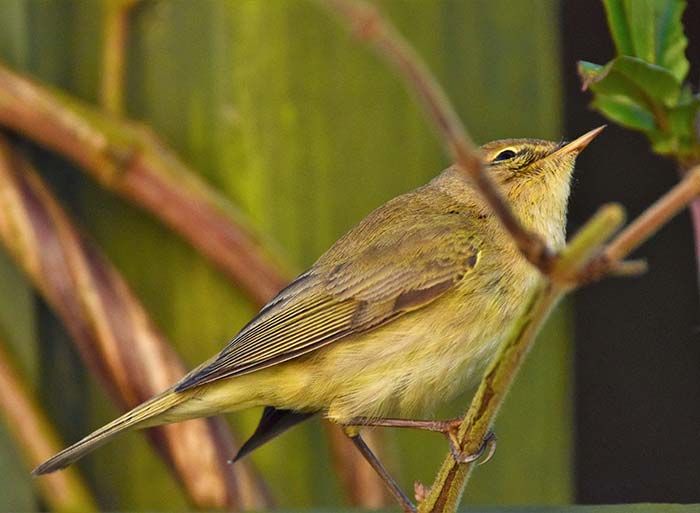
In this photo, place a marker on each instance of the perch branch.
(64, 492)
(113, 333)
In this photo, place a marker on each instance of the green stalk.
(446, 491)
(115, 30)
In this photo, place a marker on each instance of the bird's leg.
(449, 428)
(390, 482)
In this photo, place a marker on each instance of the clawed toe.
(488, 447)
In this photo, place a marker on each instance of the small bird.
(398, 316)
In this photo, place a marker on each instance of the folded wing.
(361, 283)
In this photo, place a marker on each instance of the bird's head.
(535, 177)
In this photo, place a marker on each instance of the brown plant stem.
(366, 22)
(113, 333)
(680, 196)
(63, 492)
(695, 223)
(131, 161)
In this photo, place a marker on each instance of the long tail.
(139, 417)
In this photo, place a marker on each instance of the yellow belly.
(404, 368)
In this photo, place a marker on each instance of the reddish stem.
(695, 219)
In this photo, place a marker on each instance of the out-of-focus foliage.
(306, 131)
(643, 87)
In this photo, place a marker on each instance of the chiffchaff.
(396, 317)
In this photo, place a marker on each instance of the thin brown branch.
(132, 162)
(610, 261)
(369, 25)
(113, 333)
(653, 217)
(37, 440)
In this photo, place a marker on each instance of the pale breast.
(424, 358)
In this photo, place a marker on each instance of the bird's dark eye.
(504, 155)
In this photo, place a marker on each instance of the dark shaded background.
(637, 375)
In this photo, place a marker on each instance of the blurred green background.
(306, 131)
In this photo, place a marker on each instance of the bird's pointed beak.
(577, 145)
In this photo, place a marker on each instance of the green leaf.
(642, 88)
(646, 84)
(619, 26)
(625, 112)
(650, 30)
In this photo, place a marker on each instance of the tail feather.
(137, 418)
(273, 422)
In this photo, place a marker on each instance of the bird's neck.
(545, 216)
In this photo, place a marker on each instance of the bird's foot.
(449, 428)
(488, 447)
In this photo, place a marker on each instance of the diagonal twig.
(365, 21)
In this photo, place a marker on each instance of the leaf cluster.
(644, 88)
